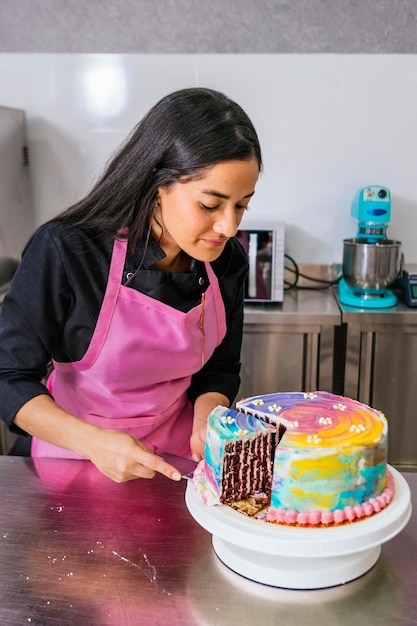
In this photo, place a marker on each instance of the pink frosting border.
(339, 516)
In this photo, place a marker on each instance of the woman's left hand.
(204, 404)
(198, 438)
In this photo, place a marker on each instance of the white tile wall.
(328, 124)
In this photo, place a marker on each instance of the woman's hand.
(204, 404)
(119, 456)
(122, 457)
(198, 438)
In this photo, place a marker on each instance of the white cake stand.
(300, 558)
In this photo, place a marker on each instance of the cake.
(330, 467)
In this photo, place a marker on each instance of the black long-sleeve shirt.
(54, 300)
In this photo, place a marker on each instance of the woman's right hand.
(119, 456)
(122, 457)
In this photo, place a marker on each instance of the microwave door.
(253, 258)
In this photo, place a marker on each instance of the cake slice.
(239, 457)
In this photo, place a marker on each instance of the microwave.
(263, 241)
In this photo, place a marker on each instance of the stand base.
(381, 299)
(293, 572)
(300, 558)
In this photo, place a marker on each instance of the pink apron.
(136, 372)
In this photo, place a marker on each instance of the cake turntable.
(300, 558)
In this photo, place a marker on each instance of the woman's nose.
(226, 224)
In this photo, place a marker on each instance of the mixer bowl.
(371, 267)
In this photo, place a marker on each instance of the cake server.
(186, 467)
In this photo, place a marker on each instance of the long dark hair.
(185, 132)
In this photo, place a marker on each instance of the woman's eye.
(239, 207)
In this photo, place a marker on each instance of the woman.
(135, 295)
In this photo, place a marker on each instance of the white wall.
(328, 124)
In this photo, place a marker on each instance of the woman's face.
(198, 217)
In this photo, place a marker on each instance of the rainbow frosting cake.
(305, 459)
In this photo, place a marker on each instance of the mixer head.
(371, 210)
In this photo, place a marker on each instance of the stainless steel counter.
(76, 548)
(300, 307)
(399, 314)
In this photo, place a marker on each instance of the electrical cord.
(324, 284)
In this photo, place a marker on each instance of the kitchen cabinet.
(290, 346)
(311, 342)
(380, 366)
(16, 210)
(6, 439)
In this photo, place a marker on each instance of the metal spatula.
(185, 466)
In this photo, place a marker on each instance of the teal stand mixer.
(371, 261)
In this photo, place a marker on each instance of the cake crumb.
(251, 506)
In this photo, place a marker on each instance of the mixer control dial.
(382, 193)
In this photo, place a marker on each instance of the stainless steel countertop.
(76, 548)
(300, 307)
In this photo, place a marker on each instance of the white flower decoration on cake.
(339, 406)
(242, 431)
(228, 420)
(275, 408)
(357, 428)
(258, 401)
(310, 395)
(313, 439)
(325, 420)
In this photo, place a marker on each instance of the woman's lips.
(215, 243)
